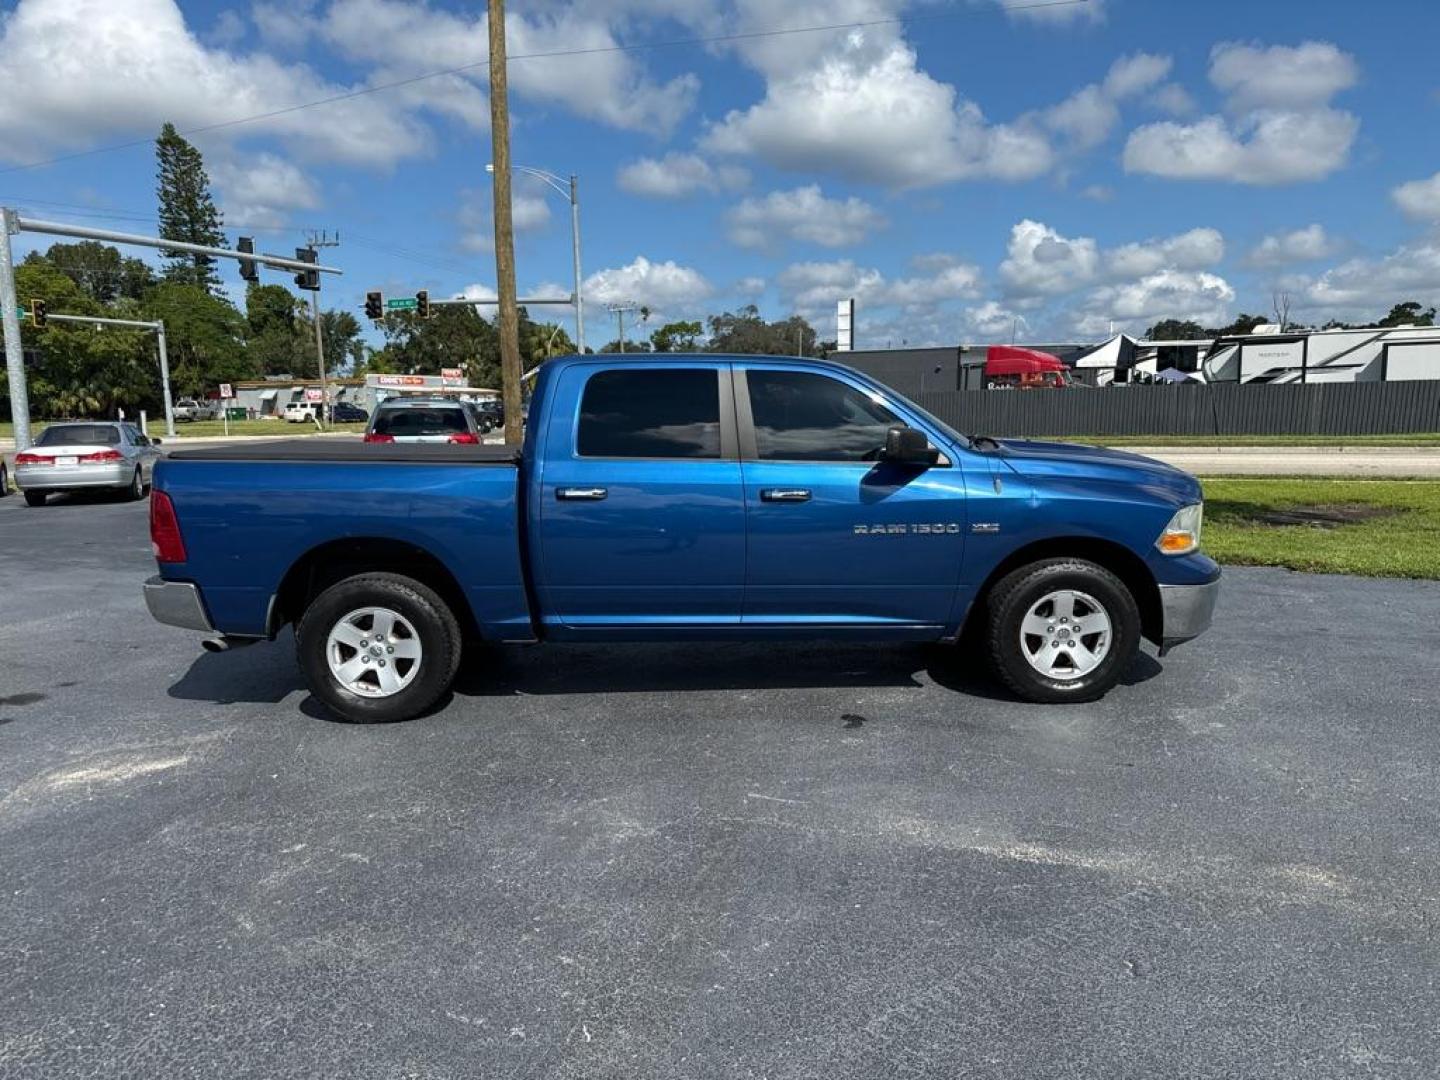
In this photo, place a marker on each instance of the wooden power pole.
(504, 230)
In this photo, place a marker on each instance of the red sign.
(452, 373)
(312, 394)
(400, 380)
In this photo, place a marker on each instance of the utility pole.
(509, 319)
(619, 307)
(14, 352)
(575, 244)
(318, 240)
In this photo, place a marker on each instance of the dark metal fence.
(1371, 408)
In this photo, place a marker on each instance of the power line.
(714, 39)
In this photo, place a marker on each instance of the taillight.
(101, 457)
(165, 539)
(372, 437)
(465, 438)
(33, 459)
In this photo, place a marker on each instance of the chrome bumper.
(1187, 610)
(177, 603)
(70, 477)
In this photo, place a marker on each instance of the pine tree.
(187, 210)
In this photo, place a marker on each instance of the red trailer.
(1008, 367)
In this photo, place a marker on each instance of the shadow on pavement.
(266, 673)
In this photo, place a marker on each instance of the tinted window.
(654, 414)
(416, 422)
(804, 417)
(79, 435)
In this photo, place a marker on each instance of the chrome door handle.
(593, 494)
(785, 495)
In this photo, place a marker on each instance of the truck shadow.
(266, 673)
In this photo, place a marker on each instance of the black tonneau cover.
(354, 451)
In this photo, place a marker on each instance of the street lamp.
(568, 191)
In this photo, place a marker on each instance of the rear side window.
(79, 435)
(672, 413)
(418, 422)
(800, 416)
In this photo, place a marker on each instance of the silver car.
(88, 454)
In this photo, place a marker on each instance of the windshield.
(79, 435)
(419, 421)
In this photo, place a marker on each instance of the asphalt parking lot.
(740, 861)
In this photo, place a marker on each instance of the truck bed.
(351, 450)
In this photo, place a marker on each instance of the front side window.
(800, 416)
(666, 413)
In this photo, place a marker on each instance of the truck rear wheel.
(1062, 630)
(378, 647)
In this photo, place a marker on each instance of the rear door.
(835, 537)
(641, 511)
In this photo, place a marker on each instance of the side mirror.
(154, 442)
(908, 446)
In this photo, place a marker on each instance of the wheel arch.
(325, 564)
(1129, 567)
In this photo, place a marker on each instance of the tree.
(206, 337)
(273, 339)
(677, 337)
(746, 332)
(630, 346)
(454, 336)
(1410, 313)
(540, 341)
(1243, 324)
(1176, 330)
(101, 271)
(187, 209)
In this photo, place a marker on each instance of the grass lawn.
(210, 428)
(1201, 442)
(1377, 528)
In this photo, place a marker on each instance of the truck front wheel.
(1062, 630)
(378, 647)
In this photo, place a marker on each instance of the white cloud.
(662, 286)
(259, 190)
(80, 71)
(1299, 245)
(604, 84)
(1098, 193)
(1419, 198)
(229, 29)
(677, 175)
(812, 288)
(865, 111)
(1165, 294)
(1187, 251)
(750, 287)
(1281, 77)
(1041, 262)
(1282, 128)
(284, 25)
(992, 320)
(1363, 287)
(803, 214)
(1174, 99)
(529, 211)
(1087, 117)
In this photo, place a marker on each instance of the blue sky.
(960, 168)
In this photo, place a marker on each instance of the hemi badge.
(985, 527)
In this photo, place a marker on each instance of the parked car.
(423, 420)
(343, 412)
(76, 456)
(694, 497)
(301, 412)
(188, 409)
(490, 415)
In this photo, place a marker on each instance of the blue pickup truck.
(683, 497)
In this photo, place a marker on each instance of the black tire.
(136, 491)
(4, 480)
(434, 623)
(34, 498)
(1011, 600)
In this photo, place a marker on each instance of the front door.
(642, 512)
(835, 537)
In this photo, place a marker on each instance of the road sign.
(226, 391)
(402, 303)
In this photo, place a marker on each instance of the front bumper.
(1187, 611)
(177, 603)
(70, 477)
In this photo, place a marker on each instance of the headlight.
(1182, 535)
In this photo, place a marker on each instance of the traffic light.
(307, 279)
(374, 306)
(37, 313)
(422, 304)
(249, 271)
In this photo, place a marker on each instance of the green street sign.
(404, 303)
